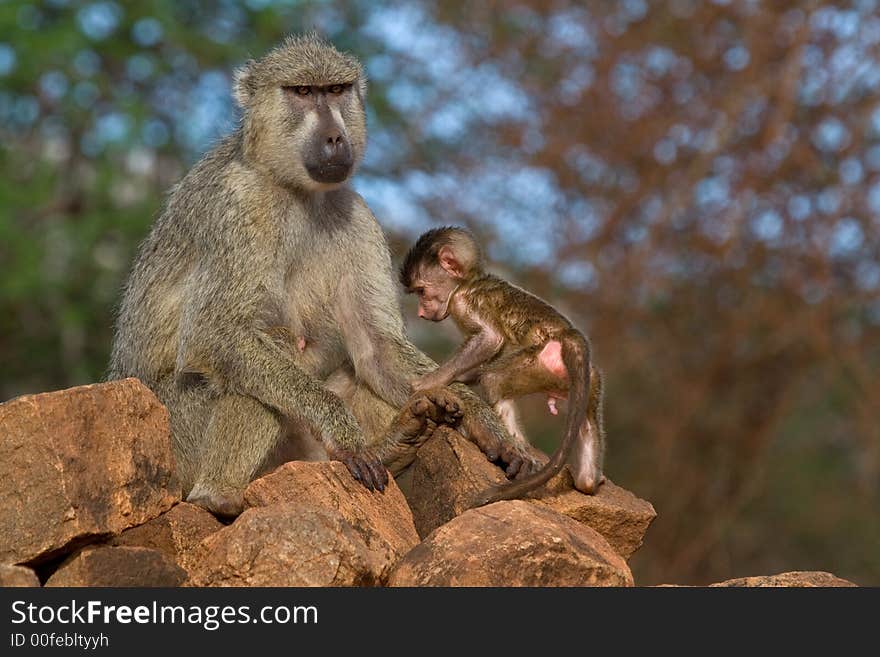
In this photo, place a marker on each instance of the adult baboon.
(262, 307)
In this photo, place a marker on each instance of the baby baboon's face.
(433, 286)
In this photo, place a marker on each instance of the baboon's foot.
(588, 484)
(363, 466)
(425, 411)
(416, 423)
(517, 461)
(228, 504)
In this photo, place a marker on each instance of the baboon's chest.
(310, 291)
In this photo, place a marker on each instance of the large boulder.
(309, 524)
(176, 533)
(382, 518)
(449, 471)
(11, 575)
(118, 567)
(792, 579)
(80, 464)
(513, 543)
(283, 545)
(621, 517)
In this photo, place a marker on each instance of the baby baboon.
(515, 344)
(262, 309)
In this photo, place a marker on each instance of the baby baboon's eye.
(302, 90)
(337, 89)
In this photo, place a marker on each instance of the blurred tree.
(697, 182)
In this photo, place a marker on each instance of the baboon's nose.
(333, 144)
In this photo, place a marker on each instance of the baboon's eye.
(302, 90)
(337, 89)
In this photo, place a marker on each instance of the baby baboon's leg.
(587, 457)
(514, 375)
(240, 436)
(506, 410)
(520, 373)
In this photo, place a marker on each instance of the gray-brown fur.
(251, 256)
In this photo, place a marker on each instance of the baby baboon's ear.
(450, 262)
(243, 84)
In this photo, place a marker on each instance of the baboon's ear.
(450, 262)
(243, 84)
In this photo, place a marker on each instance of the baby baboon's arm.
(477, 349)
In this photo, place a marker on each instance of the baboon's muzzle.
(329, 158)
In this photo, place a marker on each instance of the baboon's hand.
(519, 462)
(482, 436)
(364, 466)
(444, 406)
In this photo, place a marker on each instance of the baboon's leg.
(189, 408)
(240, 437)
(586, 459)
(395, 435)
(506, 410)
(519, 373)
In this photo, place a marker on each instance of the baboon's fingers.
(379, 473)
(513, 467)
(491, 447)
(354, 466)
(421, 406)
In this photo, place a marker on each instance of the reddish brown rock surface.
(792, 579)
(444, 478)
(449, 471)
(621, 517)
(81, 463)
(283, 545)
(512, 543)
(382, 518)
(177, 533)
(17, 576)
(310, 524)
(118, 567)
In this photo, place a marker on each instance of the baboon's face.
(314, 134)
(326, 151)
(433, 286)
(304, 119)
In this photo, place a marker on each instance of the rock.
(449, 471)
(309, 524)
(11, 575)
(118, 567)
(621, 517)
(444, 478)
(80, 464)
(792, 579)
(177, 533)
(383, 520)
(285, 545)
(513, 543)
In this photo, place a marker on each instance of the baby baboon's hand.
(364, 466)
(429, 381)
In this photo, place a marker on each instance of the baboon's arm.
(478, 348)
(225, 335)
